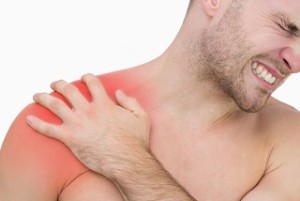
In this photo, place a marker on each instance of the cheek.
(265, 37)
(265, 41)
(262, 32)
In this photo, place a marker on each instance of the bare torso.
(223, 162)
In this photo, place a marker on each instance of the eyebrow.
(286, 21)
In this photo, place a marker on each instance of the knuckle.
(92, 114)
(63, 87)
(88, 111)
(68, 89)
(47, 129)
(55, 105)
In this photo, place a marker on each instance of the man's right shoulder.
(29, 160)
(31, 163)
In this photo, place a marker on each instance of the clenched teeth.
(263, 73)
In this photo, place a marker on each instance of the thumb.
(129, 103)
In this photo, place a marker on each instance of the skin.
(203, 141)
(49, 170)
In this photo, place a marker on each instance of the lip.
(273, 71)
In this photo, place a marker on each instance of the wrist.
(126, 159)
(131, 162)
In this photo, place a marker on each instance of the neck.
(181, 92)
(180, 83)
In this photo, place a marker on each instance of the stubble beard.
(225, 52)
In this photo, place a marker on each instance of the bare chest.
(223, 164)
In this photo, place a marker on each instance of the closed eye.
(284, 28)
(294, 30)
(286, 25)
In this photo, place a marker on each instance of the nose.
(291, 58)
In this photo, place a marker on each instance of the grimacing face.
(242, 62)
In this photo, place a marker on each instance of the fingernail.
(120, 93)
(29, 119)
(35, 96)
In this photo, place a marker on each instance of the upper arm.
(281, 181)
(93, 187)
(280, 185)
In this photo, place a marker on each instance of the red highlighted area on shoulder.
(29, 160)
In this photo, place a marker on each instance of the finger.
(130, 104)
(45, 128)
(96, 88)
(55, 105)
(70, 92)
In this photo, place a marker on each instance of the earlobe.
(211, 6)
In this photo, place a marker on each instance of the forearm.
(144, 178)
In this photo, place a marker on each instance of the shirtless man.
(216, 133)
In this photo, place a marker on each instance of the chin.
(251, 109)
(252, 105)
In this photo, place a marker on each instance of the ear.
(210, 7)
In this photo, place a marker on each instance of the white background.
(42, 41)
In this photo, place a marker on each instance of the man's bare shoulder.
(281, 123)
(278, 115)
(37, 166)
(32, 166)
